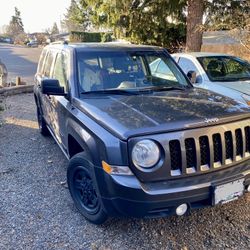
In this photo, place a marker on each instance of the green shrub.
(86, 37)
(106, 37)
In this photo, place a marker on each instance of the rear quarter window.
(48, 63)
(41, 61)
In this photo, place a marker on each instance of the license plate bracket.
(228, 192)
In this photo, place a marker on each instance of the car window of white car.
(225, 68)
(187, 65)
(236, 68)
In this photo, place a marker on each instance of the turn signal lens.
(116, 170)
(106, 167)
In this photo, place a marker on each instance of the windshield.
(225, 68)
(127, 70)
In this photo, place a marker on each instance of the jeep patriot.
(140, 139)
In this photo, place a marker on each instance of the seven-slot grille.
(209, 151)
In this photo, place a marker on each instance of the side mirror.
(52, 87)
(192, 76)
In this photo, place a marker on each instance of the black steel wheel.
(83, 189)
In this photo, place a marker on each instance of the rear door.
(45, 71)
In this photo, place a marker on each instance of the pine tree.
(54, 30)
(75, 18)
(15, 27)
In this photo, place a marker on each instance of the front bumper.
(125, 195)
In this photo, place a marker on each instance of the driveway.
(20, 61)
(37, 212)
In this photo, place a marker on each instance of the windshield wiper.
(112, 91)
(135, 91)
(165, 88)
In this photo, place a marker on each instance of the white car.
(221, 73)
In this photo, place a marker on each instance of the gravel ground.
(37, 212)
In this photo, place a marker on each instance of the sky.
(37, 15)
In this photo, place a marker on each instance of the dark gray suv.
(139, 143)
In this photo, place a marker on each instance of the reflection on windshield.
(99, 71)
(225, 68)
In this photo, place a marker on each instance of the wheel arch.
(79, 140)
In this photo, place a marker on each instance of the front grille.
(217, 148)
(204, 150)
(214, 148)
(229, 145)
(239, 142)
(175, 154)
(190, 153)
(247, 135)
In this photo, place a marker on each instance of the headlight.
(246, 99)
(145, 154)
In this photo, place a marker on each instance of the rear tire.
(83, 189)
(42, 124)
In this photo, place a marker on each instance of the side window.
(187, 65)
(60, 69)
(41, 62)
(163, 68)
(48, 64)
(163, 71)
(153, 65)
(235, 67)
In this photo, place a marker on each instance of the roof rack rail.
(60, 42)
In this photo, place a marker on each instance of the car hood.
(132, 115)
(241, 86)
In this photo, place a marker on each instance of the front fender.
(84, 139)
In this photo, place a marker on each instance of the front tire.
(82, 187)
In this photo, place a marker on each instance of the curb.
(8, 91)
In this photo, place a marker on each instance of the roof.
(201, 54)
(105, 46)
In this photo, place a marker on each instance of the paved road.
(20, 61)
(37, 212)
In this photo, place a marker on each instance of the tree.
(195, 10)
(232, 15)
(41, 38)
(157, 22)
(77, 16)
(227, 14)
(15, 27)
(54, 30)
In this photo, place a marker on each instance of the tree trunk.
(194, 22)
